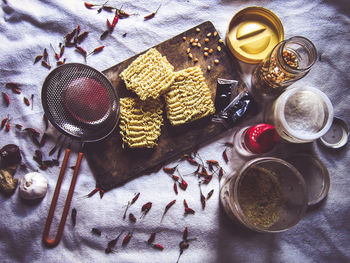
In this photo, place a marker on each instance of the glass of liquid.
(301, 115)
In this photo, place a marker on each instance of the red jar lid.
(261, 138)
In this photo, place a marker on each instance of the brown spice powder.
(260, 197)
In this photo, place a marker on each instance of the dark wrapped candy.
(224, 90)
(237, 109)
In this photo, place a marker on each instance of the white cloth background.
(27, 27)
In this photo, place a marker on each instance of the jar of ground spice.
(289, 61)
(266, 195)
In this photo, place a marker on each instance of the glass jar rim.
(297, 70)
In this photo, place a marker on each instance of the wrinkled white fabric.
(27, 27)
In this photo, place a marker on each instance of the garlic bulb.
(33, 186)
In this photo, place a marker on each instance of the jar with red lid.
(258, 139)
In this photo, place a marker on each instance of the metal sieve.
(82, 103)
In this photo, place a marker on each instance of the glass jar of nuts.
(289, 61)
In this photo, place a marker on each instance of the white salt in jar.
(301, 114)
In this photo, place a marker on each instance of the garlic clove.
(33, 185)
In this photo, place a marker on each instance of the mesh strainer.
(81, 103)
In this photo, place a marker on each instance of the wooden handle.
(56, 240)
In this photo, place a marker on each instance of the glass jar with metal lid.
(289, 61)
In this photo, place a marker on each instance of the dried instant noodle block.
(149, 76)
(189, 97)
(140, 122)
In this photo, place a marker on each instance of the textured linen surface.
(27, 27)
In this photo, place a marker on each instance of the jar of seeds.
(289, 61)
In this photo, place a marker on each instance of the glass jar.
(266, 195)
(258, 139)
(301, 114)
(289, 61)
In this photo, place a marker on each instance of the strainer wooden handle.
(53, 242)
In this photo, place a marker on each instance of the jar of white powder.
(301, 114)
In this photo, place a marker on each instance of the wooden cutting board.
(111, 164)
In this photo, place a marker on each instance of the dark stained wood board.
(111, 164)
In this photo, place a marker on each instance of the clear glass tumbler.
(289, 61)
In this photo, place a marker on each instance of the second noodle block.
(149, 76)
(140, 122)
(189, 97)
